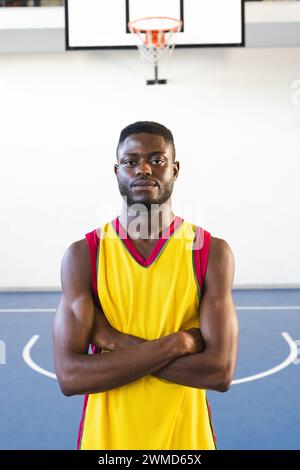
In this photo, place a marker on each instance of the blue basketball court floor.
(260, 411)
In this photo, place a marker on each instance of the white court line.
(31, 363)
(270, 307)
(263, 307)
(291, 357)
(26, 310)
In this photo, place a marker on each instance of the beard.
(164, 193)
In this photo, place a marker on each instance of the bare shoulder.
(221, 265)
(81, 247)
(77, 253)
(220, 250)
(75, 266)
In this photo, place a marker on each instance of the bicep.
(218, 319)
(74, 319)
(219, 325)
(73, 324)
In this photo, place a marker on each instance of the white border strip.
(32, 18)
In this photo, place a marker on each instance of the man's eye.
(129, 162)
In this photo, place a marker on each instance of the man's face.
(146, 159)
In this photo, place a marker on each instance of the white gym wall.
(235, 117)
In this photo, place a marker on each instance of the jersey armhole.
(201, 248)
(93, 243)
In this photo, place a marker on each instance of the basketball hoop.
(154, 40)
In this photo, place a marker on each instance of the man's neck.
(148, 224)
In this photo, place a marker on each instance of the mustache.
(144, 180)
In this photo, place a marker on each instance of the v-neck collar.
(159, 245)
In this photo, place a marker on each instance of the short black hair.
(149, 127)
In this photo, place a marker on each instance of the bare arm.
(212, 369)
(79, 372)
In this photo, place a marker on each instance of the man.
(139, 289)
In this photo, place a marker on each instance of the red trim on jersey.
(93, 239)
(211, 424)
(80, 432)
(167, 233)
(201, 252)
(93, 243)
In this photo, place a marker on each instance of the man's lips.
(149, 187)
(145, 183)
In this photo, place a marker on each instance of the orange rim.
(136, 29)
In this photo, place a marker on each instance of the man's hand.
(194, 340)
(107, 337)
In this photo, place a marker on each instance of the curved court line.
(291, 357)
(31, 363)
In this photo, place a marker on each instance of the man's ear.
(116, 166)
(176, 165)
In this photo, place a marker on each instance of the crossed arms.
(202, 359)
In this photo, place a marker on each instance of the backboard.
(103, 24)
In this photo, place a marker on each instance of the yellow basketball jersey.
(148, 298)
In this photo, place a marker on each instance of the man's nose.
(144, 168)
